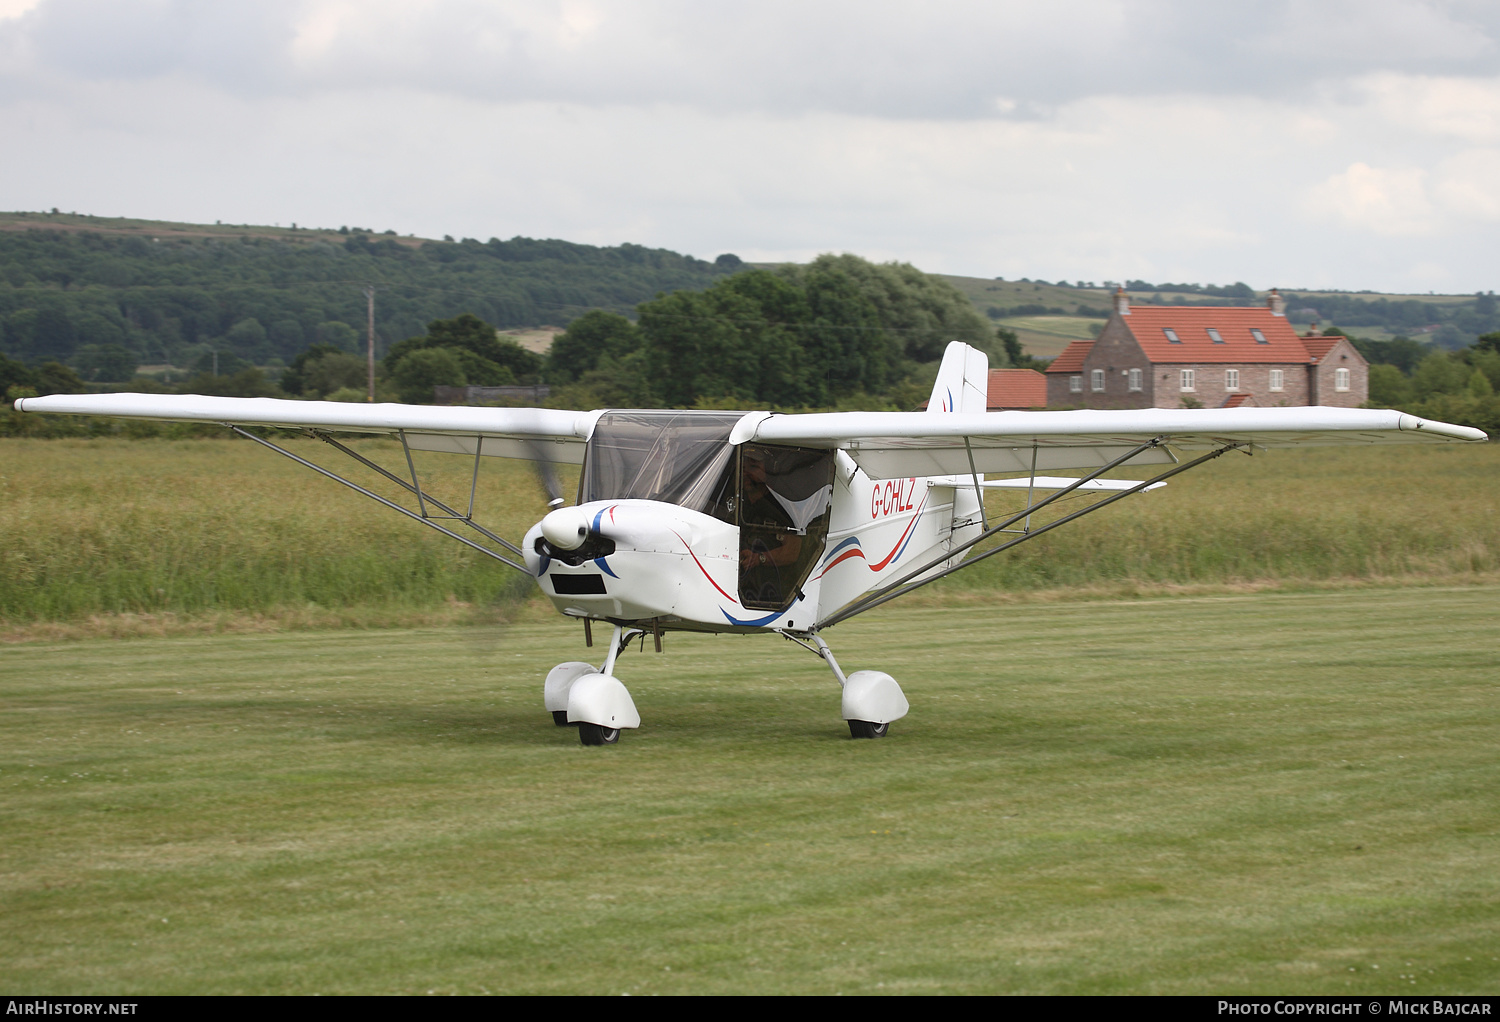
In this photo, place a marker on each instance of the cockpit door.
(783, 504)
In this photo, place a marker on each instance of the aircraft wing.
(534, 433)
(890, 445)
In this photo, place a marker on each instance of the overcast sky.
(1300, 144)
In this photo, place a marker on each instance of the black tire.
(597, 734)
(867, 729)
(560, 718)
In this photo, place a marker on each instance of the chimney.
(1313, 331)
(1276, 303)
(1122, 302)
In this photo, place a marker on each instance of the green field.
(1047, 336)
(119, 537)
(1275, 792)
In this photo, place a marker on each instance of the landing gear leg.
(596, 701)
(872, 699)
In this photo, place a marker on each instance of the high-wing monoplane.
(715, 521)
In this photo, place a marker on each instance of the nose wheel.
(867, 729)
(597, 734)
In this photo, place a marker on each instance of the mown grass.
(127, 537)
(1268, 793)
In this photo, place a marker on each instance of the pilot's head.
(753, 467)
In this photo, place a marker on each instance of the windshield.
(677, 457)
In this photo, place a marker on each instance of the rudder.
(962, 381)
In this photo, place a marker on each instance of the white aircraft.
(757, 522)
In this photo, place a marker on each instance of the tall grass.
(192, 526)
(115, 526)
(1320, 514)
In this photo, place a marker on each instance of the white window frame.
(1341, 379)
(1278, 379)
(1231, 379)
(1188, 379)
(1097, 381)
(1075, 384)
(1135, 379)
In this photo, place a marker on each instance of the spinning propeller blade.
(546, 473)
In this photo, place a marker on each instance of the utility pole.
(370, 294)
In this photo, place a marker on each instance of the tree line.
(104, 304)
(838, 331)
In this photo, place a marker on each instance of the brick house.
(1154, 356)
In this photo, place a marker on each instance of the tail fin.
(962, 381)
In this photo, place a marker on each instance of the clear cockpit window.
(679, 457)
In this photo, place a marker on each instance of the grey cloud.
(951, 59)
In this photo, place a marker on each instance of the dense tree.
(591, 337)
(1389, 387)
(417, 372)
(334, 370)
(487, 359)
(923, 311)
(291, 376)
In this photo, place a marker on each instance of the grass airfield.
(1272, 792)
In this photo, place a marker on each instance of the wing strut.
(904, 584)
(414, 487)
(392, 504)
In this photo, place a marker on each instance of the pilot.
(768, 540)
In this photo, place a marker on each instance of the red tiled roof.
(1071, 360)
(1235, 400)
(1191, 324)
(1320, 345)
(1017, 388)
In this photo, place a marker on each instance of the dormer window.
(1260, 338)
(1172, 337)
(1213, 335)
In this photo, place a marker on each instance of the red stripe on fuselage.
(701, 568)
(899, 542)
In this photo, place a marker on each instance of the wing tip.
(1444, 429)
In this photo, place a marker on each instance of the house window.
(1341, 379)
(1260, 338)
(1075, 384)
(1172, 337)
(1213, 335)
(1278, 379)
(1187, 379)
(1098, 380)
(1135, 379)
(1231, 379)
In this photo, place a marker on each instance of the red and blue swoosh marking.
(600, 560)
(851, 548)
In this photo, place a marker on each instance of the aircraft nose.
(566, 528)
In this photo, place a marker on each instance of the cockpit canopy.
(779, 497)
(678, 457)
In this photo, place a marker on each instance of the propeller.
(546, 474)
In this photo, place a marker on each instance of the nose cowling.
(566, 528)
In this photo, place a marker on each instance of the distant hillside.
(78, 288)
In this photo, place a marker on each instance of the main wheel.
(867, 729)
(597, 734)
(560, 718)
